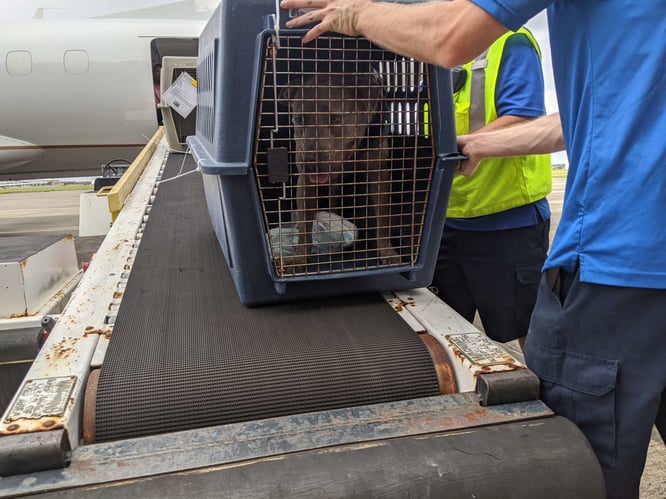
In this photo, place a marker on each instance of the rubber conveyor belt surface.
(185, 353)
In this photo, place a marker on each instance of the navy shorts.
(600, 353)
(495, 273)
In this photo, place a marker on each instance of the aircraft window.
(76, 62)
(19, 62)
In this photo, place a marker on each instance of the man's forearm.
(540, 136)
(445, 33)
(437, 32)
(502, 122)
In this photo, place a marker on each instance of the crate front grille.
(343, 156)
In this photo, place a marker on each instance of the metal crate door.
(344, 145)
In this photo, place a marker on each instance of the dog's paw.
(389, 256)
(295, 264)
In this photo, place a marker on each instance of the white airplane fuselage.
(77, 94)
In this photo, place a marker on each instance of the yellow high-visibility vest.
(499, 183)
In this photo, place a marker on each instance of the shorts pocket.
(528, 273)
(581, 388)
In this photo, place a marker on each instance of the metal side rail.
(46, 411)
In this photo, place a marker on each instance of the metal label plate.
(41, 398)
(479, 349)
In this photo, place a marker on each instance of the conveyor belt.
(185, 353)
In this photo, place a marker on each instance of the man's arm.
(540, 136)
(502, 122)
(445, 33)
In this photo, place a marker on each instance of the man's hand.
(340, 16)
(466, 147)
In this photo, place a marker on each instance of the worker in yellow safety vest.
(496, 235)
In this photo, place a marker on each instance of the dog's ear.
(289, 92)
(371, 90)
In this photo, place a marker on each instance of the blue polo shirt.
(608, 61)
(519, 91)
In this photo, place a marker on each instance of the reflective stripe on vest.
(477, 106)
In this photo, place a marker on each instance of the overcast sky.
(539, 28)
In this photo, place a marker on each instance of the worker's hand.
(340, 16)
(466, 147)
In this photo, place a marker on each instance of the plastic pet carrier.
(327, 166)
(176, 127)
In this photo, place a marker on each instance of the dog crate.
(176, 127)
(327, 166)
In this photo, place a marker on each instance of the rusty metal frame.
(85, 325)
(426, 313)
(80, 338)
(246, 442)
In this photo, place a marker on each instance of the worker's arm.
(540, 136)
(446, 33)
(502, 122)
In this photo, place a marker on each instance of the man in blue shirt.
(596, 337)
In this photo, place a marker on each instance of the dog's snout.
(310, 157)
(310, 168)
(308, 162)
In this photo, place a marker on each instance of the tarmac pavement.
(44, 214)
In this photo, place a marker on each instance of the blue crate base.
(239, 231)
